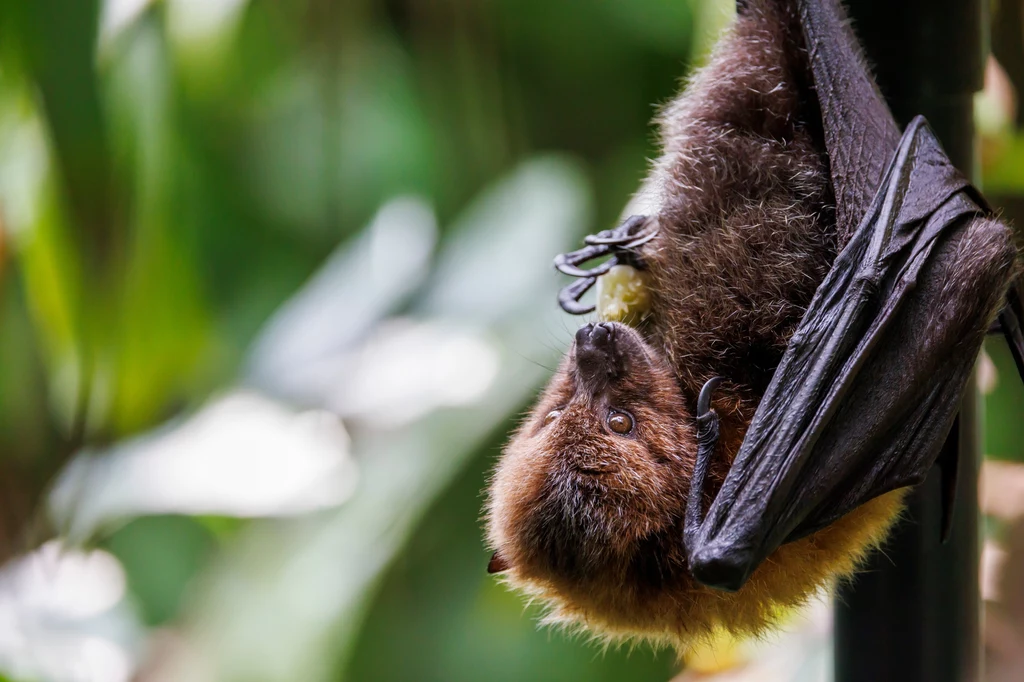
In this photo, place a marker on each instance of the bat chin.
(584, 474)
(582, 526)
(587, 508)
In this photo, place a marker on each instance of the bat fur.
(591, 522)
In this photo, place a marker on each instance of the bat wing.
(1011, 322)
(872, 379)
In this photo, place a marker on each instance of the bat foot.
(707, 440)
(569, 297)
(620, 243)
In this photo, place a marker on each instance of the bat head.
(596, 478)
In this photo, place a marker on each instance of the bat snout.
(597, 355)
(595, 337)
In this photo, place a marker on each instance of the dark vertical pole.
(914, 615)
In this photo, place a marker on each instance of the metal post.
(914, 615)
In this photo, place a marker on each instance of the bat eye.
(551, 416)
(620, 422)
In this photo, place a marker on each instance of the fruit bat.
(804, 292)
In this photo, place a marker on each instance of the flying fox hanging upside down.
(816, 287)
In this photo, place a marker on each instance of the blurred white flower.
(242, 455)
(300, 354)
(62, 617)
(993, 564)
(498, 260)
(1002, 489)
(408, 369)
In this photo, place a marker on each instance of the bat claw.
(569, 296)
(622, 235)
(707, 440)
(618, 242)
(704, 399)
(566, 263)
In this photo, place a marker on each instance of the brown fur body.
(591, 521)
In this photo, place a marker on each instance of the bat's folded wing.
(1011, 322)
(872, 379)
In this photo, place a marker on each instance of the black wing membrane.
(1011, 322)
(873, 377)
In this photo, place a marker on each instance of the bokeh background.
(275, 284)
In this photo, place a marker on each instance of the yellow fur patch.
(697, 616)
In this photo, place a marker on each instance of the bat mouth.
(583, 465)
(593, 471)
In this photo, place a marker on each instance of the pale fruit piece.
(623, 295)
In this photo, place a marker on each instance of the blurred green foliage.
(171, 172)
(160, 556)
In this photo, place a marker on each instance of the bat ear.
(497, 564)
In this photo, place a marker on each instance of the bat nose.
(597, 336)
(596, 356)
